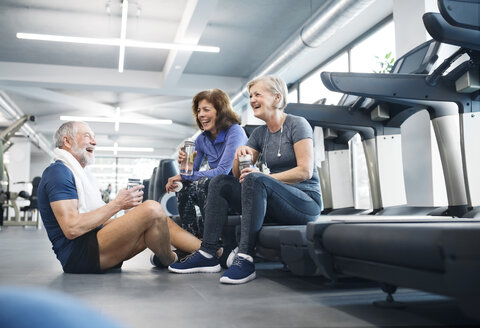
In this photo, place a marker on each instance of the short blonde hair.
(275, 85)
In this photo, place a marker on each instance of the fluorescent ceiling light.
(126, 149)
(123, 35)
(114, 120)
(122, 42)
(117, 42)
(117, 119)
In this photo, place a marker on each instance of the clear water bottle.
(186, 166)
(133, 182)
(244, 161)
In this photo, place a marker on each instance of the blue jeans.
(258, 197)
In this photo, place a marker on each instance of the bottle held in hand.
(186, 167)
(244, 161)
(132, 182)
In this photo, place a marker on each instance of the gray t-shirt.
(276, 149)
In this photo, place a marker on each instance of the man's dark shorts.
(85, 257)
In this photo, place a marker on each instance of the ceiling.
(49, 79)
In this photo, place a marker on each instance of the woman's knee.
(220, 180)
(254, 179)
(220, 183)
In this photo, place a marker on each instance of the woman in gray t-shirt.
(285, 190)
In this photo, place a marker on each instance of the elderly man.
(78, 223)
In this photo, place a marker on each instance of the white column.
(424, 181)
(17, 162)
(409, 28)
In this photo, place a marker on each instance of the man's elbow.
(71, 232)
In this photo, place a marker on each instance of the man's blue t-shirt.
(57, 183)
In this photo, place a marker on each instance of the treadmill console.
(418, 60)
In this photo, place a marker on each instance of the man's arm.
(74, 224)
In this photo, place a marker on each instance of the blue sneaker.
(231, 257)
(196, 263)
(241, 271)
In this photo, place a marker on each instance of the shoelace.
(237, 261)
(186, 258)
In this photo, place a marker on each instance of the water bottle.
(244, 161)
(186, 166)
(133, 182)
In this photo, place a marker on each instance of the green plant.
(385, 63)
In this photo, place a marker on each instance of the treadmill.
(381, 120)
(377, 128)
(378, 124)
(335, 174)
(458, 143)
(432, 254)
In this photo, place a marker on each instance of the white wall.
(17, 162)
(38, 163)
(409, 28)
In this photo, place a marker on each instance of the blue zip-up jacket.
(219, 153)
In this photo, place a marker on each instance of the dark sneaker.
(181, 254)
(156, 261)
(241, 271)
(196, 262)
(231, 257)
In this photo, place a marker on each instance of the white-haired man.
(78, 223)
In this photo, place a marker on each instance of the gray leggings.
(259, 197)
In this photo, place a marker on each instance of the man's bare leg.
(182, 239)
(143, 227)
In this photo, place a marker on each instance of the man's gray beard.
(83, 156)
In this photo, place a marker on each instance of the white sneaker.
(231, 256)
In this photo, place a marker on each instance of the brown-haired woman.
(221, 136)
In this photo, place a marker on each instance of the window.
(293, 96)
(116, 171)
(312, 89)
(381, 42)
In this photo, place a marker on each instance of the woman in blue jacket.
(221, 136)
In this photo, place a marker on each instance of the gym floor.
(140, 295)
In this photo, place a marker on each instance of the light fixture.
(114, 120)
(123, 36)
(122, 42)
(117, 42)
(125, 149)
(117, 119)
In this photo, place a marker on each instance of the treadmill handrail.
(441, 31)
(419, 92)
(337, 117)
(461, 13)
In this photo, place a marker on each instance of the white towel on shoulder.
(89, 197)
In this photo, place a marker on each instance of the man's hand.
(129, 198)
(170, 186)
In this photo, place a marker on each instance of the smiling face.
(83, 145)
(262, 100)
(207, 115)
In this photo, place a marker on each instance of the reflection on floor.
(142, 296)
